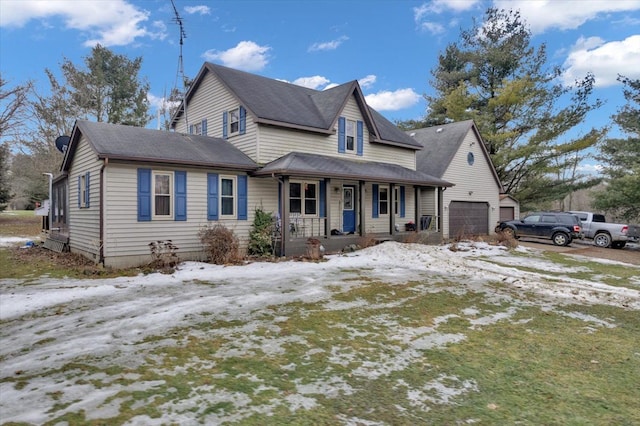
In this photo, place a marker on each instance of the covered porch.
(340, 202)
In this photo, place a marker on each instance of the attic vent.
(439, 130)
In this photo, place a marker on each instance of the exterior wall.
(381, 224)
(473, 183)
(209, 102)
(275, 142)
(84, 223)
(127, 239)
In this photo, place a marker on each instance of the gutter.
(102, 206)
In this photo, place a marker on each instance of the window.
(162, 190)
(234, 121)
(197, 129)
(303, 198)
(470, 158)
(383, 200)
(84, 190)
(350, 136)
(227, 196)
(532, 219)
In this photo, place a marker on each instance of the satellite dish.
(62, 142)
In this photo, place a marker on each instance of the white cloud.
(367, 81)
(604, 60)
(328, 45)
(314, 82)
(247, 55)
(542, 15)
(436, 7)
(110, 23)
(393, 101)
(201, 10)
(433, 27)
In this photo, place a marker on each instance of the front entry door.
(348, 209)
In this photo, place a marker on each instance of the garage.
(468, 218)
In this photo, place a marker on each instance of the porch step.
(55, 245)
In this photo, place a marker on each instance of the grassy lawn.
(19, 223)
(432, 349)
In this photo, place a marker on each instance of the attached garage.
(468, 218)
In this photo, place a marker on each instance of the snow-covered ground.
(48, 323)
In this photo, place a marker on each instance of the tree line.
(534, 128)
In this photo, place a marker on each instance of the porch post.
(439, 208)
(392, 209)
(327, 207)
(417, 211)
(285, 214)
(361, 207)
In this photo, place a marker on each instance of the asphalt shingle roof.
(314, 165)
(440, 145)
(120, 142)
(287, 104)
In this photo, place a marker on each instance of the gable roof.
(314, 165)
(285, 104)
(441, 143)
(129, 143)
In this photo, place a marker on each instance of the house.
(456, 153)
(324, 163)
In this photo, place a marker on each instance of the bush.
(506, 239)
(260, 237)
(220, 244)
(164, 255)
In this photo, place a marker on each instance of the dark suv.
(561, 228)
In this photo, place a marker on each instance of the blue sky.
(390, 47)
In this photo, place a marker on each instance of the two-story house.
(323, 162)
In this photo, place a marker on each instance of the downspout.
(102, 205)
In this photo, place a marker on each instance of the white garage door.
(466, 218)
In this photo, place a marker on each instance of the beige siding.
(84, 223)
(473, 183)
(381, 224)
(209, 102)
(127, 239)
(276, 142)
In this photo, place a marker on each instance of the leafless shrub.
(506, 239)
(367, 241)
(220, 244)
(164, 255)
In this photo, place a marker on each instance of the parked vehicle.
(603, 234)
(561, 228)
(634, 233)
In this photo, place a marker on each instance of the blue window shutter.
(402, 199)
(80, 194)
(375, 195)
(144, 195)
(87, 189)
(181, 195)
(323, 189)
(204, 127)
(212, 196)
(242, 197)
(190, 129)
(243, 120)
(360, 138)
(341, 131)
(225, 119)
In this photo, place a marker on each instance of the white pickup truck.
(594, 226)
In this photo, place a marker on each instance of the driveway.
(630, 254)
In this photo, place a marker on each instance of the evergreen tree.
(621, 159)
(494, 76)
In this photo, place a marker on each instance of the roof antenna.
(185, 80)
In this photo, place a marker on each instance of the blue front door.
(348, 209)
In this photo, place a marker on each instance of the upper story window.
(303, 198)
(350, 135)
(199, 128)
(234, 122)
(162, 190)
